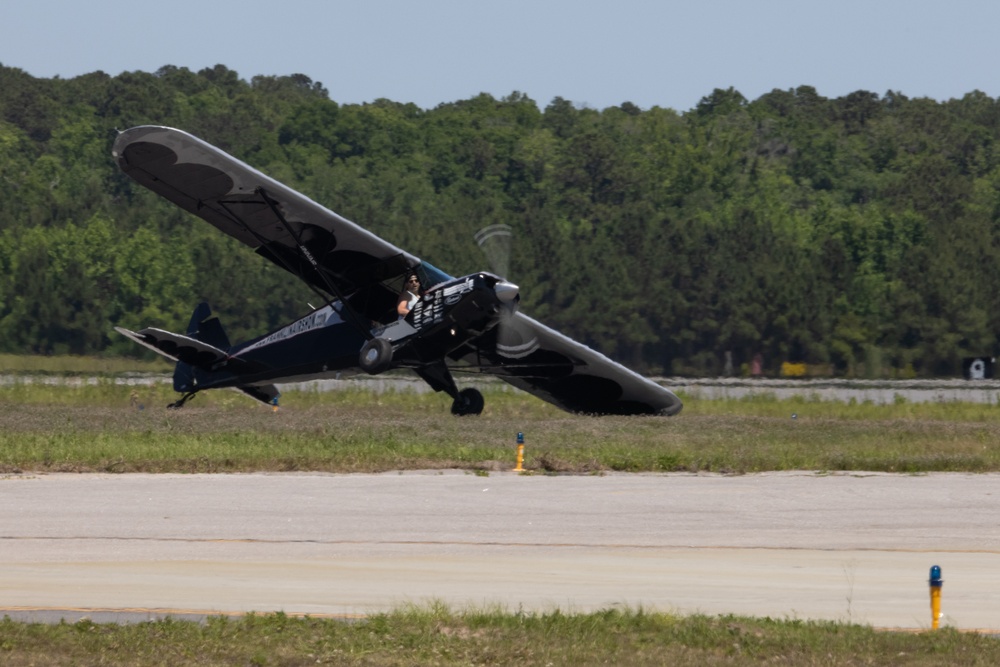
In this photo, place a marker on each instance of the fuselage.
(325, 343)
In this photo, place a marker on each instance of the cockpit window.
(431, 275)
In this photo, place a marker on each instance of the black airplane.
(467, 324)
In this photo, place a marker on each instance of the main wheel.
(375, 356)
(469, 402)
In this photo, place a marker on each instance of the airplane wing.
(327, 251)
(566, 373)
(336, 256)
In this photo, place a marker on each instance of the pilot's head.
(412, 281)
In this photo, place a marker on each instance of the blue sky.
(597, 54)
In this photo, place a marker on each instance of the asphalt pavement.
(853, 547)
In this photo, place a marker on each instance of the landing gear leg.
(466, 402)
(178, 404)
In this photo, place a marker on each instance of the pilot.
(409, 296)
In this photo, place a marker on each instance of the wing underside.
(327, 251)
(547, 364)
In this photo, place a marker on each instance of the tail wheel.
(468, 402)
(375, 356)
(178, 404)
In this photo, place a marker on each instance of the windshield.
(431, 275)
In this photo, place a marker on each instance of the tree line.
(858, 235)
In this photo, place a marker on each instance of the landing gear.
(179, 403)
(375, 356)
(468, 402)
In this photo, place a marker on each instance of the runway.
(847, 547)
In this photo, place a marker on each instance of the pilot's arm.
(403, 305)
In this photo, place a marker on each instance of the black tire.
(375, 356)
(469, 402)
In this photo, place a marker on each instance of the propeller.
(495, 242)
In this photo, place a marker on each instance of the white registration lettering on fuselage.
(325, 316)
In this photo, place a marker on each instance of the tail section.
(184, 380)
(201, 356)
(201, 312)
(188, 374)
(207, 329)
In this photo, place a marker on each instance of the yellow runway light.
(935, 581)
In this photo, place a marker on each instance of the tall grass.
(436, 635)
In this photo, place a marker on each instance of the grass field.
(68, 365)
(104, 426)
(439, 636)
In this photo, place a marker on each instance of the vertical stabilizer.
(208, 330)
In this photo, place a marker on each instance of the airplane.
(467, 324)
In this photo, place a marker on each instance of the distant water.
(861, 391)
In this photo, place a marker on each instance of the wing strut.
(365, 330)
(330, 285)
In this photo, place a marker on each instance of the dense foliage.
(859, 234)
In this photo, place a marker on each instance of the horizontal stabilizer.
(178, 347)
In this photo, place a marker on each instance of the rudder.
(207, 329)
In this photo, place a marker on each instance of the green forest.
(859, 235)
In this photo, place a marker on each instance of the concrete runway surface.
(852, 547)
